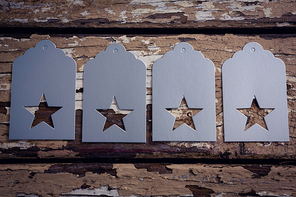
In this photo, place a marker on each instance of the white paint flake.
(40, 21)
(285, 24)
(64, 20)
(227, 17)
(267, 12)
(20, 20)
(102, 191)
(122, 16)
(73, 44)
(204, 15)
(85, 13)
(110, 11)
(76, 2)
(69, 52)
(45, 9)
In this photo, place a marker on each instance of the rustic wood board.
(148, 48)
(95, 179)
(148, 14)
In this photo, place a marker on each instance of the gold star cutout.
(183, 114)
(255, 114)
(42, 113)
(114, 115)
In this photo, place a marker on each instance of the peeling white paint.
(184, 4)
(64, 20)
(20, 144)
(69, 52)
(267, 12)
(237, 6)
(5, 86)
(73, 44)
(125, 39)
(146, 41)
(291, 78)
(154, 48)
(110, 11)
(122, 16)
(227, 17)
(265, 193)
(190, 145)
(204, 15)
(36, 11)
(147, 59)
(19, 20)
(78, 105)
(45, 9)
(39, 21)
(285, 24)
(102, 191)
(85, 13)
(76, 2)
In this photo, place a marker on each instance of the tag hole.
(183, 50)
(253, 49)
(45, 47)
(115, 50)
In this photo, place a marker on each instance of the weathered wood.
(217, 48)
(94, 179)
(147, 14)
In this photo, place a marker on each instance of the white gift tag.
(255, 75)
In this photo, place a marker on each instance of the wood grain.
(95, 179)
(148, 14)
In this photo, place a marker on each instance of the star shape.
(183, 114)
(42, 112)
(114, 115)
(255, 114)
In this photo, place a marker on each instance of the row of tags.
(182, 75)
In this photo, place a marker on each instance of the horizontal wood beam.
(148, 14)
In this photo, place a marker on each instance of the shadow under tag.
(43, 95)
(254, 78)
(183, 84)
(114, 97)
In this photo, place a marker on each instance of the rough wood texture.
(95, 179)
(217, 48)
(147, 14)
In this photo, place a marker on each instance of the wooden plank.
(217, 48)
(148, 14)
(95, 179)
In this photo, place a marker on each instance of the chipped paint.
(122, 16)
(20, 20)
(190, 145)
(267, 12)
(85, 13)
(204, 15)
(125, 39)
(110, 11)
(69, 52)
(45, 9)
(73, 44)
(285, 24)
(102, 191)
(23, 145)
(226, 17)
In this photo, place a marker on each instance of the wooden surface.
(92, 179)
(148, 14)
(217, 48)
(71, 168)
